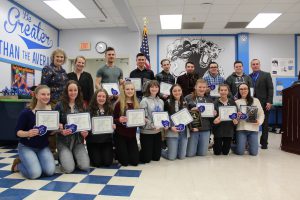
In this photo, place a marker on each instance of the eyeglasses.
(213, 67)
(243, 88)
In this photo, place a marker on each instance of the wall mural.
(200, 51)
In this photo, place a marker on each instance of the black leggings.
(101, 154)
(150, 147)
(222, 145)
(127, 150)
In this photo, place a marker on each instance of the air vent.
(236, 24)
(192, 25)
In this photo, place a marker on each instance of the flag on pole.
(145, 47)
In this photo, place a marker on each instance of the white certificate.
(158, 117)
(182, 117)
(82, 120)
(208, 109)
(226, 111)
(109, 86)
(252, 91)
(137, 82)
(102, 125)
(165, 88)
(48, 118)
(215, 92)
(135, 117)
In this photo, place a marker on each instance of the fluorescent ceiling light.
(170, 21)
(262, 20)
(65, 8)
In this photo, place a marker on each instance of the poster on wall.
(283, 67)
(25, 40)
(22, 77)
(282, 83)
(201, 50)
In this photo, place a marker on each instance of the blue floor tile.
(3, 165)
(77, 171)
(73, 196)
(4, 173)
(58, 186)
(15, 194)
(96, 179)
(117, 190)
(128, 173)
(50, 178)
(8, 182)
(12, 151)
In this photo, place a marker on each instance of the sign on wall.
(25, 39)
(283, 67)
(201, 50)
(22, 77)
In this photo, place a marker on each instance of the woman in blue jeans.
(70, 146)
(199, 139)
(35, 157)
(247, 132)
(176, 139)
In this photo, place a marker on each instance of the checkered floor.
(99, 183)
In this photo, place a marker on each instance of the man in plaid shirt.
(213, 77)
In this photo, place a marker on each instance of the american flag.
(145, 47)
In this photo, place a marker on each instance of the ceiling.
(130, 13)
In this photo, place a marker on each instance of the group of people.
(74, 93)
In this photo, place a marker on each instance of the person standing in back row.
(141, 72)
(263, 90)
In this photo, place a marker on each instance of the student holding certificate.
(125, 137)
(35, 157)
(70, 144)
(100, 146)
(223, 130)
(177, 138)
(199, 139)
(247, 132)
(150, 136)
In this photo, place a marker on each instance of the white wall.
(266, 47)
(126, 43)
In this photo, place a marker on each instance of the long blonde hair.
(122, 98)
(199, 81)
(33, 102)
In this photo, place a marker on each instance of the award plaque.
(196, 123)
(251, 113)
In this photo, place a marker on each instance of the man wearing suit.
(263, 90)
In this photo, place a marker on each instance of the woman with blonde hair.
(125, 138)
(35, 157)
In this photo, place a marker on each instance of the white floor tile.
(85, 188)
(70, 177)
(104, 172)
(45, 195)
(31, 184)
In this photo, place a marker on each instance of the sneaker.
(13, 167)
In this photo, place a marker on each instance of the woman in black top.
(223, 130)
(100, 146)
(83, 78)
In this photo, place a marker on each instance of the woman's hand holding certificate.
(135, 117)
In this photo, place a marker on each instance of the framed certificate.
(102, 125)
(251, 113)
(225, 113)
(110, 87)
(48, 118)
(135, 117)
(137, 82)
(82, 120)
(206, 109)
(214, 91)
(182, 117)
(158, 117)
(165, 88)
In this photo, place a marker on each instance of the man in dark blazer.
(263, 90)
(188, 80)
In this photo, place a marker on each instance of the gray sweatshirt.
(151, 104)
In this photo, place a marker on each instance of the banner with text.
(25, 39)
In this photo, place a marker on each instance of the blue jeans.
(35, 161)
(198, 144)
(176, 147)
(242, 137)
